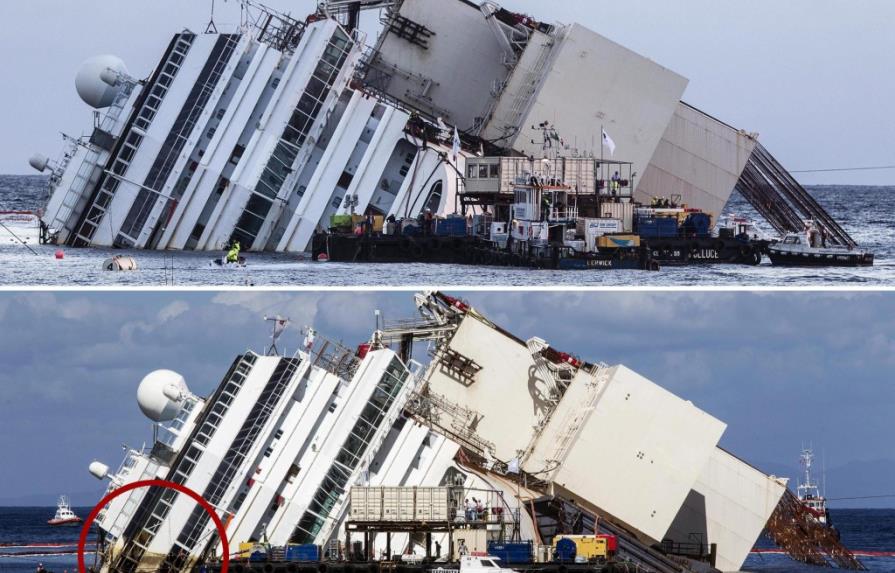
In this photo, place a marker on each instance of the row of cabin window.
(483, 171)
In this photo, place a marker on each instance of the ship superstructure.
(808, 490)
(262, 134)
(545, 442)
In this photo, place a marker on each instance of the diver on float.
(232, 257)
(233, 254)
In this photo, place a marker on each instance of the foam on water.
(867, 213)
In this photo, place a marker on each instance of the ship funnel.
(39, 162)
(92, 81)
(99, 470)
(161, 395)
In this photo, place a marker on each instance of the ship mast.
(807, 488)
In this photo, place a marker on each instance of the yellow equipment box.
(587, 546)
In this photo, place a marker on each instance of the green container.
(340, 221)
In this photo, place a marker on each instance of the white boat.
(64, 514)
(809, 493)
(803, 250)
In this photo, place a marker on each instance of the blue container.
(698, 225)
(565, 551)
(303, 553)
(451, 227)
(514, 552)
(657, 227)
(258, 556)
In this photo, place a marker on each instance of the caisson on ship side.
(336, 458)
(283, 129)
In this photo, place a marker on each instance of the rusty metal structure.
(795, 530)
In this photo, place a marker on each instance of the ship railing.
(567, 214)
(272, 27)
(333, 357)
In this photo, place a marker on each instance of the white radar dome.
(99, 470)
(39, 162)
(92, 80)
(161, 395)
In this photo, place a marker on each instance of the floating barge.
(349, 248)
(470, 251)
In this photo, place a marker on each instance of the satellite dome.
(91, 81)
(161, 395)
(99, 470)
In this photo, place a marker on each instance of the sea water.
(867, 213)
(862, 530)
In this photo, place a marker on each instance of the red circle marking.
(222, 533)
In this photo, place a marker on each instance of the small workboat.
(795, 251)
(64, 514)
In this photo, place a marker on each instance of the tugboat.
(64, 514)
(810, 250)
(809, 492)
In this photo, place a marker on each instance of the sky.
(815, 78)
(781, 369)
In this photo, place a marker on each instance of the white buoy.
(120, 264)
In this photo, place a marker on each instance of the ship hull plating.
(705, 251)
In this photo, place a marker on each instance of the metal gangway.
(782, 201)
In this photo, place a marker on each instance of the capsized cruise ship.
(261, 134)
(549, 443)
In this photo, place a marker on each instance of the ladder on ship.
(782, 201)
(102, 198)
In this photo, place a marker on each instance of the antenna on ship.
(212, 27)
(279, 325)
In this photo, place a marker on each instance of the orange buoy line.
(856, 553)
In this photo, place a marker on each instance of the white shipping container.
(622, 211)
(391, 503)
(440, 504)
(400, 504)
(592, 229)
(358, 504)
(423, 504)
(374, 504)
(406, 504)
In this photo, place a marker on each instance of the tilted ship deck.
(263, 135)
(548, 444)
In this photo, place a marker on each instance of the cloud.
(172, 311)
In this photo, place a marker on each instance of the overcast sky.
(780, 369)
(816, 78)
